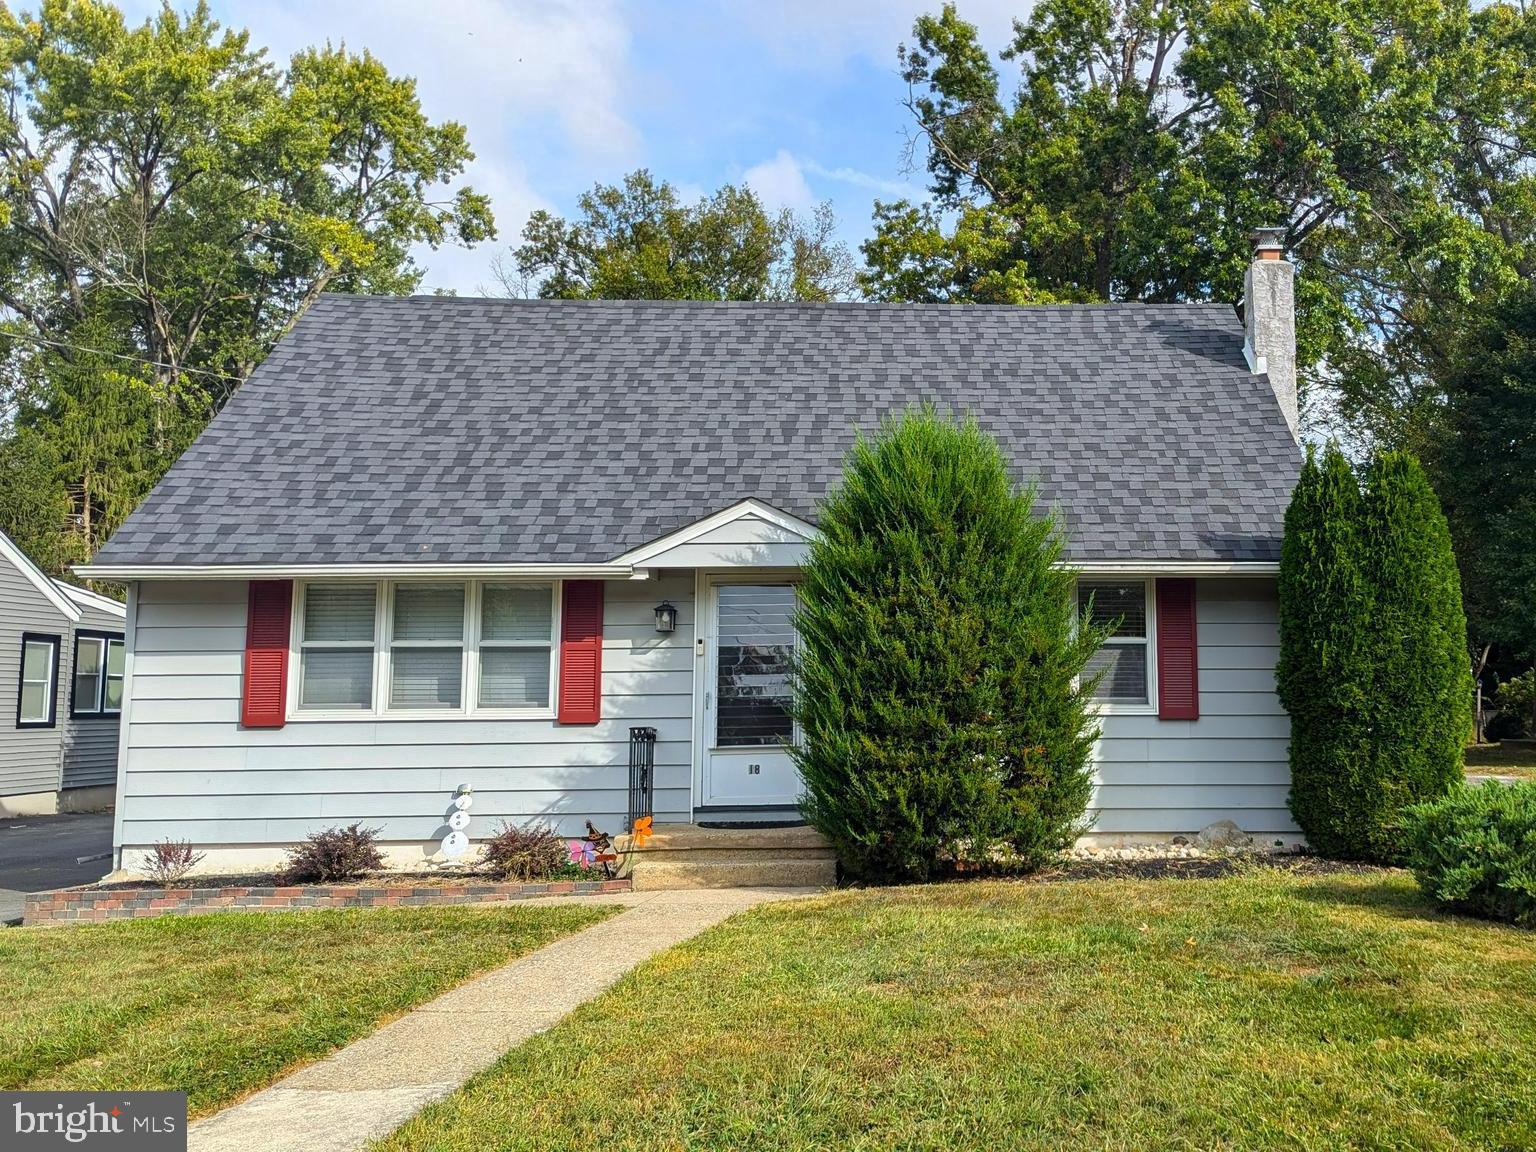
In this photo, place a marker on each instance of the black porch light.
(666, 617)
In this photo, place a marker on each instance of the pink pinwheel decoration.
(582, 853)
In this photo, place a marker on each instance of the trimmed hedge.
(940, 644)
(1474, 850)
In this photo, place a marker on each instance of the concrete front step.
(666, 874)
(688, 856)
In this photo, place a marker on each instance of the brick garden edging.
(93, 905)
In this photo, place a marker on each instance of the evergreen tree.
(1421, 698)
(1372, 668)
(1324, 671)
(937, 683)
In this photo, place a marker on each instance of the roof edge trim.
(357, 571)
(39, 579)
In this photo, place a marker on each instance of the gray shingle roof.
(484, 431)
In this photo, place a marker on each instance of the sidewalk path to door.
(368, 1089)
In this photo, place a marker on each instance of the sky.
(800, 99)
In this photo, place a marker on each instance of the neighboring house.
(61, 682)
(437, 542)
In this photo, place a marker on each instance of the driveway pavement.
(42, 852)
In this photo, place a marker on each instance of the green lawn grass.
(1266, 1010)
(219, 1005)
(1502, 759)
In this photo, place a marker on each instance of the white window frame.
(1149, 587)
(477, 621)
(97, 708)
(297, 644)
(383, 644)
(51, 696)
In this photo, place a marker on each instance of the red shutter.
(1178, 659)
(581, 652)
(263, 703)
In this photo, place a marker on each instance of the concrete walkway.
(368, 1089)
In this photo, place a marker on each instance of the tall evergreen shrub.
(939, 646)
(1422, 685)
(1372, 664)
(1324, 671)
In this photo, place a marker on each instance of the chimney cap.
(1268, 243)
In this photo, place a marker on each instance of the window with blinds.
(1125, 658)
(433, 647)
(426, 654)
(336, 648)
(516, 645)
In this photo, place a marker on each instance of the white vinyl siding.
(1160, 777)
(194, 773)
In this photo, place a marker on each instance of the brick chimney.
(1269, 319)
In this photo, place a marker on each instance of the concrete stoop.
(687, 856)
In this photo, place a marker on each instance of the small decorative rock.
(1223, 836)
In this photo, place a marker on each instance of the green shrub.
(940, 644)
(334, 854)
(1474, 850)
(1324, 668)
(1373, 667)
(1422, 682)
(1516, 700)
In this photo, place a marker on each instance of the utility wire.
(122, 356)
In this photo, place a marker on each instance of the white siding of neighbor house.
(746, 542)
(29, 757)
(193, 773)
(1161, 777)
(90, 742)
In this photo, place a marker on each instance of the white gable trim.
(36, 577)
(745, 510)
(88, 599)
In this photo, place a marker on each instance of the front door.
(747, 726)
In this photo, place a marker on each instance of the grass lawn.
(1503, 759)
(220, 1005)
(1266, 1010)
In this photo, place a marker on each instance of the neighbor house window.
(432, 647)
(336, 647)
(98, 675)
(37, 706)
(1126, 657)
(516, 645)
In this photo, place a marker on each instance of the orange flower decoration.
(641, 832)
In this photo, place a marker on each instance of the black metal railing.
(642, 772)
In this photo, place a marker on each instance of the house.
(442, 542)
(61, 674)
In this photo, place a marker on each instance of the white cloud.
(858, 179)
(780, 183)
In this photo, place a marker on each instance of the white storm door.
(747, 724)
